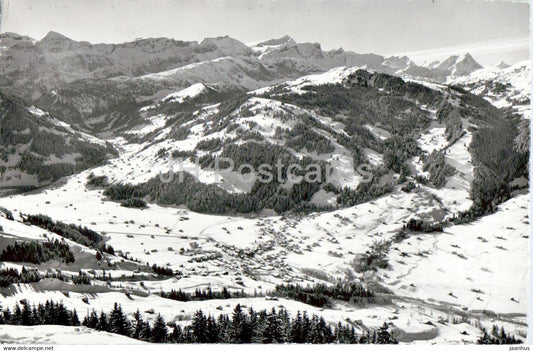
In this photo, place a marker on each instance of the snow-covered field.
(60, 335)
(467, 273)
(513, 90)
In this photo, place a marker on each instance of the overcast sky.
(422, 29)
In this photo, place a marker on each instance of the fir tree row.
(241, 327)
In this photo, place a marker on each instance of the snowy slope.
(503, 87)
(60, 335)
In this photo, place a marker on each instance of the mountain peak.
(459, 65)
(465, 64)
(468, 58)
(228, 46)
(503, 65)
(54, 36)
(398, 62)
(284, 40)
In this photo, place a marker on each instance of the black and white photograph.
(264, 172)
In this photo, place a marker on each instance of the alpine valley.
(115, 226)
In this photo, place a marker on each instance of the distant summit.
(502, 65)
(54, 36)
(284, 40)
(459, 65)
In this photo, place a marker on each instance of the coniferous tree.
(264, 327)
(273, 332)
(255, 326)
(103, 324)
(7, 316)
(26, 314)
(118, 323)
(383, 335)
(296, 332)
(159, 330)
(74, 320)
(146, 331)
(137, 325)
(240, 331)
(177, 335)
(223, 328)
(17, 315)
(213, 331)
(199, 327)
(91, 320)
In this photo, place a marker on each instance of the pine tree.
(146, 332)
(383, 335)
(103, 324)
(137, 325)
(159, 330)
(296, 334)
(199, 327)
(273, 329)
(26, 314)
(255, 326)
(74, 320)
(213, 330)
(223, 328)
(91, 320)
(240, 330)
(16, 318)
(36, 315)
(177, 334)
(118, 322)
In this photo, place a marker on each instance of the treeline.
(134, 202)
(373, 259)
(7, 213)
(210, 198)
(302, 137)
(320, 295)
(97, 181)
(162, 270)
(365, 191)
(201, 295)
(438, 169)
(495, 155)
(419, 225)
(497, 336)
(241, 327)
(82, 279)
(10, 276)
(48, 313)
(37, 252)
(79, 234)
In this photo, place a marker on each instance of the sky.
(423, 29)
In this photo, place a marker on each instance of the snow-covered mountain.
(456, 65)
(81, 83)
(55, 60)
(502, 85)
